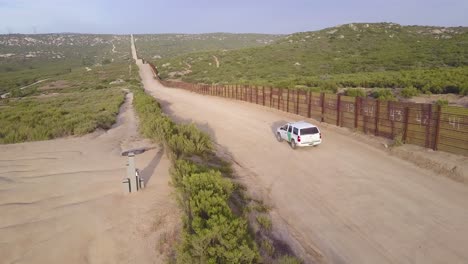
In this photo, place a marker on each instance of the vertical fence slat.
(357, 109)
(437, 129)
(377, 113)
(322, 99)
(338, 109)
(263, 95)
(297, 102)
(405, 131)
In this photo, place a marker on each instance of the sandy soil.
(345, 201)
(62, 201)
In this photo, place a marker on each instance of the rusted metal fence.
(431, 126)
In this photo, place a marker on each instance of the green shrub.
(330, 86)
(383, 94)
(409, 92)
(442, 102)
(264, 222)
(79, 113)
(268, 247)
(355, 92)
(288, 260)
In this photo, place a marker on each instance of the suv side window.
(295, 131)
(289, 129)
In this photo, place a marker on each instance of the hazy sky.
(197, 16)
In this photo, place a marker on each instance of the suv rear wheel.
(278, 137)
(293, 144)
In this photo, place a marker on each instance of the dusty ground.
(453, 99)
(62, 201)
(345, 201)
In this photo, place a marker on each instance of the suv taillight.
(298, 138)
(320, 135)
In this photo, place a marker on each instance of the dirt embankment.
(62, 201)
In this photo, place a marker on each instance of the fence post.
(263, 95)
(251, 88)
(280, 97)
(429, 143)
(377, 113)
(322, 98)
(405, 131)
(271, 97)
(437, 129)
(297, 102)
(309, 104)
(256, 94)
(287, 102)
(357, 109)
(236, 91)
(338, 109)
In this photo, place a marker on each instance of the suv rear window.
(295, 131)
(309, 131)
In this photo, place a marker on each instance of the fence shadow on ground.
(148, 171)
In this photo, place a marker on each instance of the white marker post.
(131, 172)
(133, 182)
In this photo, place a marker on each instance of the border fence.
(432, 126)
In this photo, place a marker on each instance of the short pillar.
(131, 174)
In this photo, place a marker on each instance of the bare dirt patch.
(62, 201)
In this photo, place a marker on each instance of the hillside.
(168, 45)
(25, 59)
(56, 85)
(352, 55)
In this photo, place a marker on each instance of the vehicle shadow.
(275, 125)
(148, 171)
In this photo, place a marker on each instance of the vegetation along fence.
(432, 126)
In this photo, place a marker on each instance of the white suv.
(299, 134)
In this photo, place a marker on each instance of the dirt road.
(345, 200)
(62, 201)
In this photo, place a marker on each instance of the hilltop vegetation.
(75, 103)
(79, 92)
(432, 59)
(25, 59)
(170, 45)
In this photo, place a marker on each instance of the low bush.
(409, 92)
(32, 119)
(383, 94)
(264, 222)
(442, 102)
(355, 92)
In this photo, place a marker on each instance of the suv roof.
(301, 124)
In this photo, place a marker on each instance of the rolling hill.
(157, 46)
(433, 59)
(24, 59)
